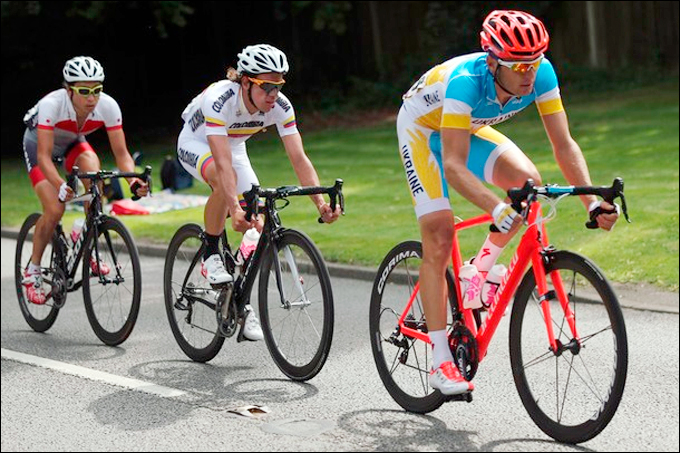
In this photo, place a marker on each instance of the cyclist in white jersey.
(445, 135)
(55, 130)
(211, 147)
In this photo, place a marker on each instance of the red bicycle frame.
(529, 251)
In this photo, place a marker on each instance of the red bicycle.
(568, 346)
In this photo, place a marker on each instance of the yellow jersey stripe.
(456, 121)
(550, 107)
(214, 121)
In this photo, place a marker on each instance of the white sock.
(487, 256)
(33, 269)
(440, 348)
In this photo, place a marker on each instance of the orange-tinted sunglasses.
(268, 85)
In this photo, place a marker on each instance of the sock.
(487, 256)
(211, 245)
(33, 268)
(440, 348)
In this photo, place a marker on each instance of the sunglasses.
(268, 85)
(522, 66)
(86, 91)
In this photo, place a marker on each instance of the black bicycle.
(111, 276)
(295, 294)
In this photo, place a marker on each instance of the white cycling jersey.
(55, 112)
(219, 110)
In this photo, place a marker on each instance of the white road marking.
(75, 370)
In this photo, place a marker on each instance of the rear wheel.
(189, 299)
(403, 361)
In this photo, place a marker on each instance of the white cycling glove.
(596, 204)
(63, 192)
(504, 217)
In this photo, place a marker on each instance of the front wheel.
(296, 305)
(404, 361)
(112, 282)
(573, 394)
(39, 317)
(189, 299)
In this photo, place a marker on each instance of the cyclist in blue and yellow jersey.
(212, 148)
(56, 128)
(445, 135)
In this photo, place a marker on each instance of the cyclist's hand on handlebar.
(239, 222)
(505, 217)
(138, 187)
(327, 214)
(65, 193)
(605, 213)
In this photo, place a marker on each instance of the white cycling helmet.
(83, 69)
(262, 58)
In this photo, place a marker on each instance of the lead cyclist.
(445, 136)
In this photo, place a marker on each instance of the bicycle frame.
(532, 250)
(94, 216)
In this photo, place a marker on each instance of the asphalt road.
(55, 406)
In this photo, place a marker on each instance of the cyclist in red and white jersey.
(212, 148)
(445, 136)
(56, 128)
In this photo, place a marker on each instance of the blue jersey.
(460, 93)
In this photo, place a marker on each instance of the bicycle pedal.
(465, 397)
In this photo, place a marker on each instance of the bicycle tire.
(39, 317)
(193, 325)
(112, 307)
(403, 363)
(304, 321)
(601, 326)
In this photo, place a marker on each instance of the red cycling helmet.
(514, 35)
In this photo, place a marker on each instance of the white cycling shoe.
(448, 380)
(251, 326)
(213, 270)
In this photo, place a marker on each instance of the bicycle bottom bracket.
(226, 312)
(464, 349)
(59, 289)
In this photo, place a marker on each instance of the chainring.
(464, 349)
(59, 287)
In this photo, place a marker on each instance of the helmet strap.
(250, 97)
(495, 79)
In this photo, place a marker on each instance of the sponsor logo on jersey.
(219, 103)
(411, 175)
(187, 157)
(197, 119)
(284, 105)
(247, 124)
(431, 98)
(492, 121)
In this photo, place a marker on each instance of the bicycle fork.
(298, 281)
(540, 260)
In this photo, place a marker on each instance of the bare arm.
(572, 163)
(123, 158)
(307, 174)
(567, 152)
